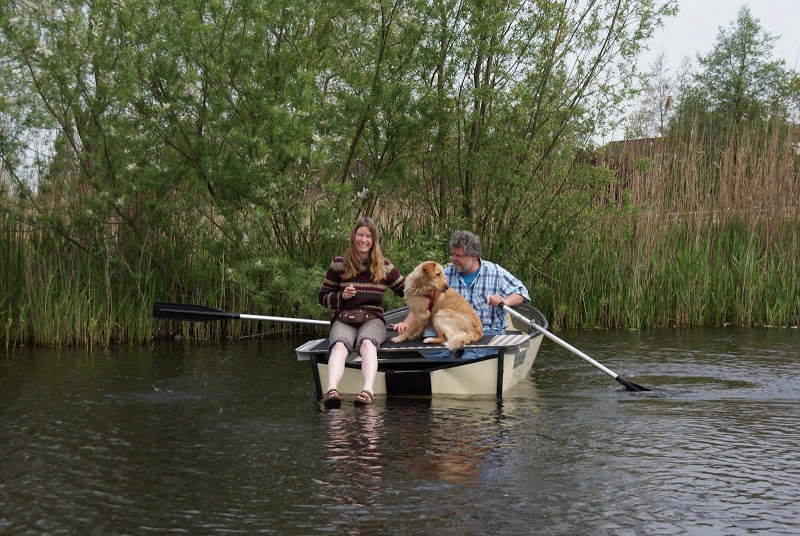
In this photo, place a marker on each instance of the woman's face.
(363, 242)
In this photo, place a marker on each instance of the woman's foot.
(332, 399)
(364, 398)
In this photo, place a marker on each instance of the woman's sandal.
(364, 398)
(332, 399)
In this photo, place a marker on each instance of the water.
(188, 439)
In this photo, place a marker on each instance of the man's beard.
(462, 268)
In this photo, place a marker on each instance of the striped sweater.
(369, 295)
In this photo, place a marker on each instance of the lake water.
(190, 439)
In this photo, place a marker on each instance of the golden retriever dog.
(432, 301)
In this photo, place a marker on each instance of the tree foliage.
(651, 117)
(738, 82)
(205, 132)
(738, 77)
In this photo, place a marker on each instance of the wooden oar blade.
(188, 312)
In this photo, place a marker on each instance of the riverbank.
(625, 276)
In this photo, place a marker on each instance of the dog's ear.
(417, 277)
(434, 270)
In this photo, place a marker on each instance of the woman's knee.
(339, 347)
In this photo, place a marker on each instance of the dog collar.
(433, 297)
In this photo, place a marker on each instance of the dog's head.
(430, 275)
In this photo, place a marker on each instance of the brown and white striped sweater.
(369, 295)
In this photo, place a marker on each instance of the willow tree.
(650, 118)
(738, 82)
(738, 92)
(196, 137)
(514, 88)
(739, 76)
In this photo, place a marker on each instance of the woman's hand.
(348, 292)
(400, 327)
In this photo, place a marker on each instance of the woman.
(354, 285)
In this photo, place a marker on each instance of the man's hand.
(496, 300)
(510, 300)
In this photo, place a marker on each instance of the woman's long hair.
(353, 263)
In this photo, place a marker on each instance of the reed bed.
(711, 238)
(691, 275)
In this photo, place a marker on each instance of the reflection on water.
(353, 455)
(412, 455)
(449, 450)
(202, 440)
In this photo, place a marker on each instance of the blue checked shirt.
(491, 279)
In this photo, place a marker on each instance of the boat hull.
(403, 371)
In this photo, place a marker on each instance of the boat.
(404, 371)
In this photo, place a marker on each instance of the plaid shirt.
(491, 279)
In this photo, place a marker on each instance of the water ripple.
(230, 440)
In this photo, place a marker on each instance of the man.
(486, 286)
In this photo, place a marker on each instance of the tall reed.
(712, 240)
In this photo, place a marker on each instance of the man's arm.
(511, 300)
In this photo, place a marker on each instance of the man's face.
(463, 263)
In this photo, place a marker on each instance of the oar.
(200, 313)
(628, 385)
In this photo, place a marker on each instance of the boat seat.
(488, 341)
(320, 346)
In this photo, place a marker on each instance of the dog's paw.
(399, 338)
(456, 343)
